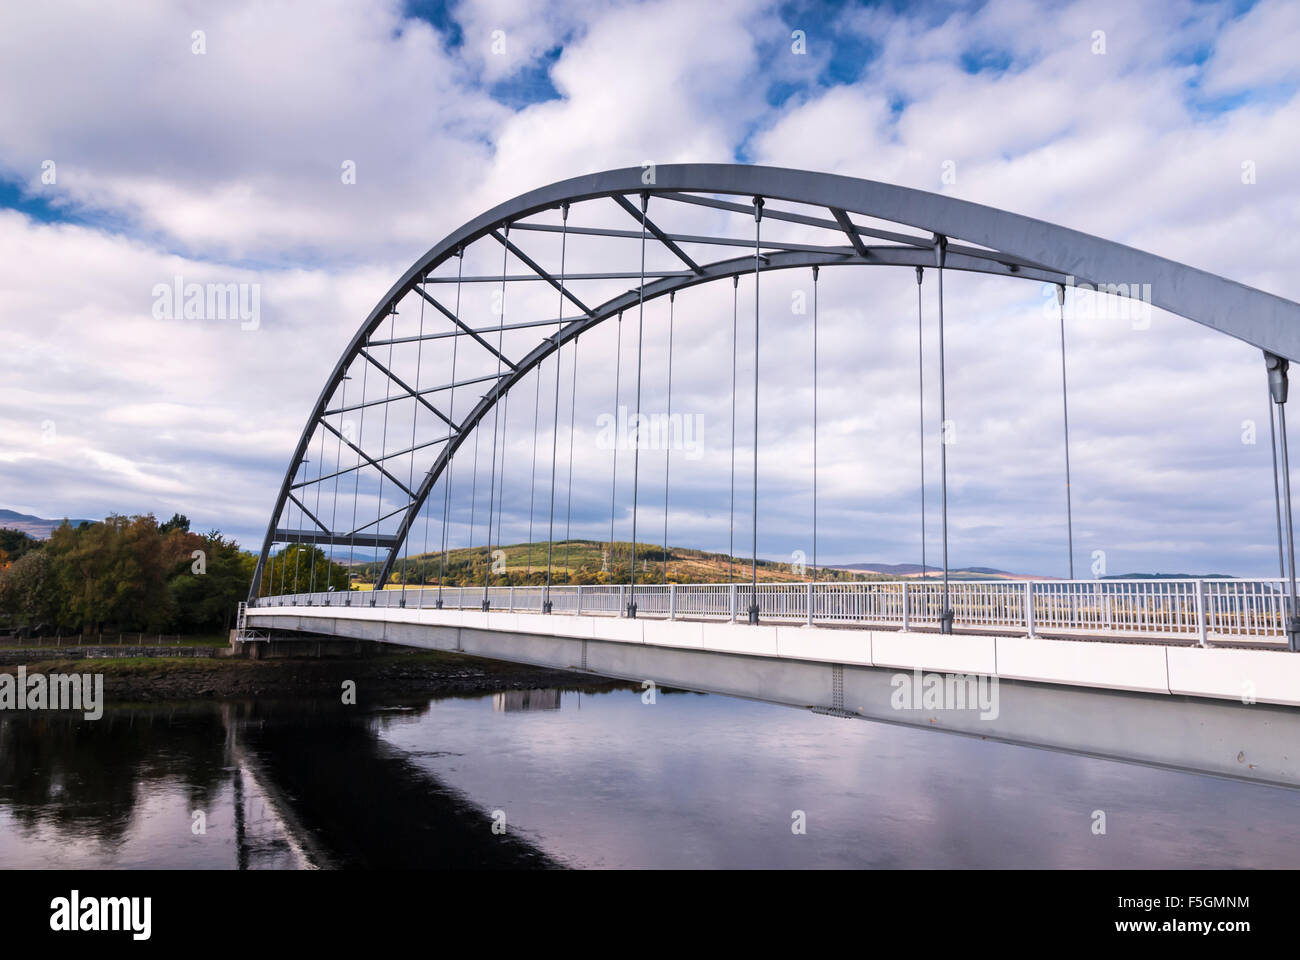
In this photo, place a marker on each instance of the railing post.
(907, 608)
(1200, 613)
(510, 600)
(672, 601)
(733, 603)
(1029, 607)
(621, 589)
(810, 604)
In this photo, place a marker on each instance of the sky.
(313, 151)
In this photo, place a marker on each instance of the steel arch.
(995, 242)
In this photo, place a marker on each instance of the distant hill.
(1169, 576)
(586, 559)
(37, 527)
(915, 570)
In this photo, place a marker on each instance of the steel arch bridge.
(838, 221)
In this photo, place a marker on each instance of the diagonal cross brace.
(850, 231)
(369, 459)
(658, 234)
(411, 391)
(533, 266)
(303, 508)
(473, 333)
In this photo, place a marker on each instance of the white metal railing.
(1197, 610)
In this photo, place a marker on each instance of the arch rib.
(1003, 243)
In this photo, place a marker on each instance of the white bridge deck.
(1178, 626)
(1208, 612)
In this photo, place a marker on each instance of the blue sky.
(1130, 121)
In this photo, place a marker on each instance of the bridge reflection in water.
(512, 701)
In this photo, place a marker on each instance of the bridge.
(1192, 673)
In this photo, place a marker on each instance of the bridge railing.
(1198, 611)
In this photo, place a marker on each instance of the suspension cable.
(613, 480)
(731, 548)
(945, 619)
(501, 500)
(636, 442)
(451, 413)
(1065, 409)
(753, 607)
(383, 443)
(814, 437)
(1278, 384)
(473, 501)
(920, 392)
(297, 554)
(284, 555)
(668, 445)
(568, 511)
(410, 477)
(532, 476)
(1277, 493)
(496, 420)
(555, 417)
(284, 558)
(356, 482)
(320, 474)
(334, 507)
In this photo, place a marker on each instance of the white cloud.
(225, 168)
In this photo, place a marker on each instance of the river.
(574, 778)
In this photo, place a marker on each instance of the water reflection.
(591, 778)
(512, 700)
(147, 786)
(708, 781)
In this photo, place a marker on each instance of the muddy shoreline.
(148, 679)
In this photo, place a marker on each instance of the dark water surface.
(593, 780)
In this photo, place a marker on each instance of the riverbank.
(153, 678)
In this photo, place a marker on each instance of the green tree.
(13, 544)
(302, 568)
(178, 522)
(113, 573)
(206, 590)
(28, 594)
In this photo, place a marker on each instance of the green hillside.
(588, 562)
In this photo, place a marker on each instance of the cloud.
(227, 168)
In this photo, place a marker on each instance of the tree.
(206, 589)
(13, 544)
(113, 573)
(128, 573)
(302, 568)
(178, 522)
(27, 590)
